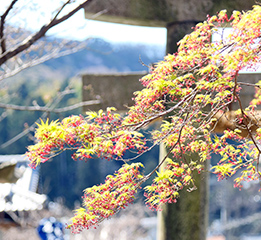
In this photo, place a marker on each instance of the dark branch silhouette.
(2, 25)
(8, 54)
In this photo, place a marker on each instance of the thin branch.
(61, 8)
(99, 14)
(159, 115)
(34, 62)
(164, 159)
(166, 156)
(2, 25)
(51, 104)
(3, 116)
(144, 64)
(77, 105)
(47, 109)
(244, 115)
(32, 39)
(249, 84)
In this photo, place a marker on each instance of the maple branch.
(170, 150)
(244, 115)
(32, 39)
(165, 157)
(161, 114)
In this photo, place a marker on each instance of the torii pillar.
(187, 219)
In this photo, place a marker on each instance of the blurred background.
(106, 39)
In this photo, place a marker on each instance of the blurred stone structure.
(113, 90)
(178, 16)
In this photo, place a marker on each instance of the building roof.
(21, 195)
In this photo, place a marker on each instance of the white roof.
(14, 158)
(20, 196)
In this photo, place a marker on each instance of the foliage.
(104, 200)
(33, 85)
(192, 89)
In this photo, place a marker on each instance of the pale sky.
(110, 31)
(32, 14)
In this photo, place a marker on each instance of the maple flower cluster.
(168, 183)
(192, 90)
(89, 137)
(103, 201)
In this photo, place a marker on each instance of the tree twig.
(51, 104)
(48, 109)
(32, 39)
(34, 62)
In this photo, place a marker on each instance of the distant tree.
(193, 90)
(21, 47)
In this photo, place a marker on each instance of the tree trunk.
(188, 218)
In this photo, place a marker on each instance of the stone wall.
(114, 90)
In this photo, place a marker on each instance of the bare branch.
(53, 55)
(249, 84)
(2, 25)
(61, 8)
(164, 113)
(51, 105)
(245, 117)
(77, 105)
(47, 109)
(32, 39)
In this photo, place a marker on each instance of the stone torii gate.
(187, 219)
